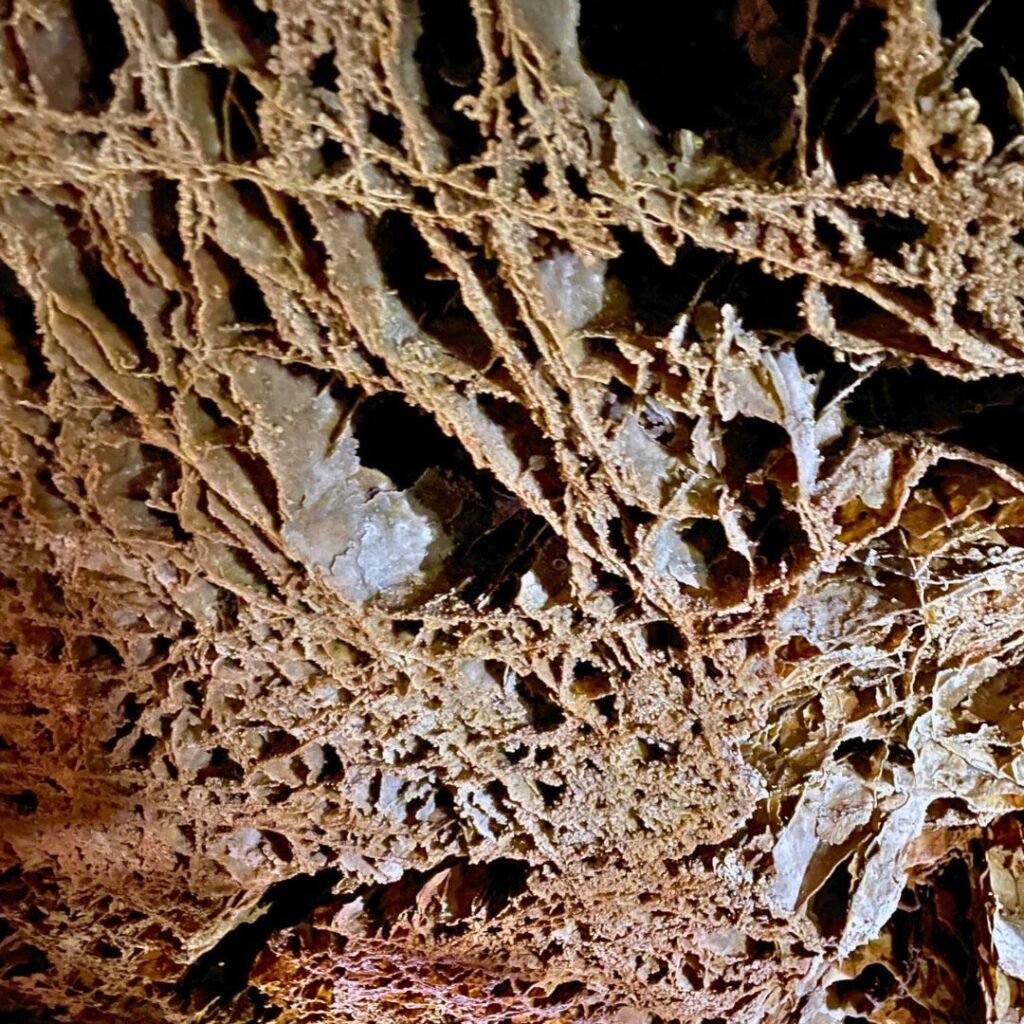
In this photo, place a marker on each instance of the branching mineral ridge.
(511, 512)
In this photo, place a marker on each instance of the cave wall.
(511, 511)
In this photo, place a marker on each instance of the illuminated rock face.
(511, 511)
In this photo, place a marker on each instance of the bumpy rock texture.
(511, 511)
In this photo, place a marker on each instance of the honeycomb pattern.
(511, 511)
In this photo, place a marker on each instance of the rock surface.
(511, 511)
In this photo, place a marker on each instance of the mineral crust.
(511, 511)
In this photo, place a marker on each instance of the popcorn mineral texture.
(511, 511)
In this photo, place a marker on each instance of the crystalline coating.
(511, 511)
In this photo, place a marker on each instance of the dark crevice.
(748, 443)
(23, 803)
(324, 73)
(244, 292)
(935, 945)
(333, 157)
(657, 294)
(222, 972)
(253, 200)
(577, 183)
(166, 224)
(429, 290)
(863, 755)
(885, 232)
(403, 441)
(472, 889)
(103, 42)
(502, 545)
(24, 960)
(765, 302)
(842, 104)
(535, 180)
(984, 416)
(830, 904)
(222, 766)
(236, 106)
(496, 538)
(181, 16)
(542, 710)
(981, 72)
(534, 449)
(830, 237)
(865, 318)
(709, 68)
(333, 770)
(388, 129)
(17, 311)
(107, 291)
(450, 61)
(779, 533)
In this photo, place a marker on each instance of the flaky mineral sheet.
(511, 512)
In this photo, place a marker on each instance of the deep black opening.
(401, 440)
(830, 236)
(305, 234)
(704, 67)
(550, 794)
(222, 766)
(607, 708)
(998, 30)
(862, 754)
(830, 904)
(100, 32)
(24, 960)
(385, 127)
(764, 302)
(834, 375)
(577, 182)
(108, 293)
(332, 770)
(779, 532)
(19, 313)
(142, 748)
(181, 16)
(448, 53)
(658, 293)
(496, 537)
(517, 754)
(867, 990)
(542, 711)
(24, 802)
(885, 233)
(934, 939)
(428, 289)
(166, 224)
(984, 416)
(333, 155)
(499, 552)
(748, 443)
(535, 180)
(222, 972)
(231, 91)
(663, 636)
(256, 26)
(244, 291)
(324, 73)
(485, 888)
(842, 99)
